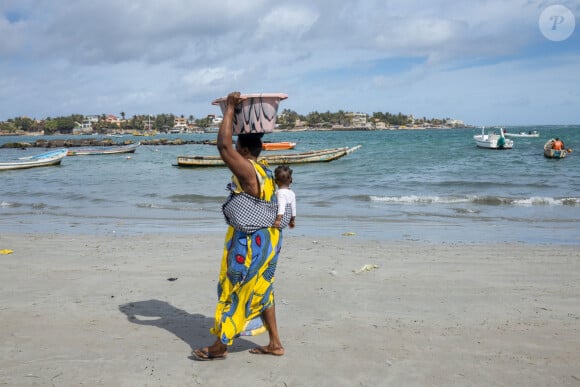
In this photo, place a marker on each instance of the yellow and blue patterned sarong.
(246, 278)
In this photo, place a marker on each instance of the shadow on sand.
(191, 328)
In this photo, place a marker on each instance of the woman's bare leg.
(275, 346)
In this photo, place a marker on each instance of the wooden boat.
(492, 140)
(284, 145)
(316, 156)
(53, 157)
(553, 153)
(103, 150)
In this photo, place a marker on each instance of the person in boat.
(557, 144)
(285, 195)
(245, 304)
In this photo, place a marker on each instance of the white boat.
(531, 133)
(492, 140)
(53, 157)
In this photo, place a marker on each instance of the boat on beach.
(316, 156)
(492, 140)
(53, 157)
(103, 150)
(554, 153)
(283, 145)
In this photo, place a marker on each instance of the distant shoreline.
(210, 131)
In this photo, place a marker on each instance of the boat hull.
(522, 135)
(492, 141)
(278, 145)
(555, 154)
(107, 150)
(324, 155)
(41, 160)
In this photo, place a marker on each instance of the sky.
(486, 62)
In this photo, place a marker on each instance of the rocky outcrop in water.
(91, 142)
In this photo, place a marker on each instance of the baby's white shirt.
(286, 196)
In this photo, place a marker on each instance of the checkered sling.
(247, 213)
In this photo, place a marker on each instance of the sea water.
(430, 185)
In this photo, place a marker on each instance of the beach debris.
(6, 251)
(349, 233)
(367, 267)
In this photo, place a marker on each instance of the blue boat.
(53, 157)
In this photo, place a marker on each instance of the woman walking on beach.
(245, 290)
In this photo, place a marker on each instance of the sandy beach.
(127, 311)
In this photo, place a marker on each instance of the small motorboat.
(531, 134)
(493, 140)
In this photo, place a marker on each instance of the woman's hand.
(224, 138)
(233, 99)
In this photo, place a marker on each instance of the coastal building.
(357, 120)
(217, 120)
(380, 125)
(179, 121)
(86, 127)
(299, 124)
(113, 120)
(455, 123)
(180, 125)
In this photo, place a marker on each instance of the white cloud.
(286, 23)
(208, 79)
(72, 56)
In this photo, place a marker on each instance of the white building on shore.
(357, 120)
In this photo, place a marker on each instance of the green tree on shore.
(287, 119)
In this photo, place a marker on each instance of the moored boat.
(323, 155)
(531, 134)
(283, 145)
(551, 153)
(103, 150)
(53, 157)
(492, 140)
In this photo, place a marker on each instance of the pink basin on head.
(256, 113)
